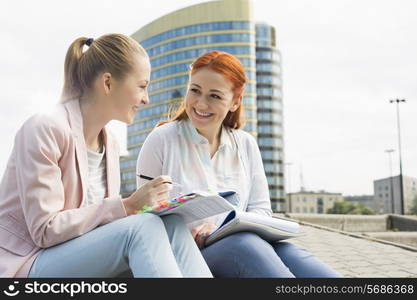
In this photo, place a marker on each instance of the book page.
(200, 208)
(281, 224)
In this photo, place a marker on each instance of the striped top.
(97, 179)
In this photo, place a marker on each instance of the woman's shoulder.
(245, 138)
(52, 121)
(167, 130)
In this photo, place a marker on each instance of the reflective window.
(146, 124)
(272, 168)
(135, 139)
(269, 79)
(194, 53)
(264, 54)
(128, 175)
(199, 40)
(273, 180)
(168, 82)
(270, 129)
(185, 67)
(167, 95)
(274, 92)
(268, 67)
(128, 188)
(250, 101)
(267, 116)
(263, 35)
(194, 29)
(274, 142)
(134, 151)
(272, 104)
(128, 164)
(266, 154)
(250, 127)
(250, 114)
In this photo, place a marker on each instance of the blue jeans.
(145, 244)
(245, 254)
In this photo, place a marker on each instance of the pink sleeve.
(41, 190)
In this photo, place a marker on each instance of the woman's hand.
(201, 232)
(148, 194)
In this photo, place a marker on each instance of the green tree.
(348, 208)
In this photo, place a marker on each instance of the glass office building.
(270, 112)
(174, 41)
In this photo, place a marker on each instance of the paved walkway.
(357, 256)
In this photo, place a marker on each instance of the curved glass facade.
(269, 112)
(171, 52)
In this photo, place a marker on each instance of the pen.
(151, 178)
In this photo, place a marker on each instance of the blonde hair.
(113, 53)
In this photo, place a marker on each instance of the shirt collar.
(187, 130)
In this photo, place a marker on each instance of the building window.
(194, 29)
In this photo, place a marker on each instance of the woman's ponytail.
(72, 85)
(114, 53)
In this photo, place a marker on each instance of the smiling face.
(209, 98)
(128, 94)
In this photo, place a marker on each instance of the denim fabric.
(245, 254)
(144, 244)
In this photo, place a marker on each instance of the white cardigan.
(178, 150)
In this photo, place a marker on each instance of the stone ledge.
(351, 223)
(401, 237)
(359, 235)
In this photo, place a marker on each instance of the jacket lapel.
(112, 164)
(112, 152)
(76, 124)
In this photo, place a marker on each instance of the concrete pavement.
(354, 255)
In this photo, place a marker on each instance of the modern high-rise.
(173, 41)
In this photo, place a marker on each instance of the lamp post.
(398, 101)
(289, 186)
(389, 151)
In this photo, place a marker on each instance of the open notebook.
(200, 205)
(270, 229)
(194, 206)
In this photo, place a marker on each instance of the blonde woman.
(60, 210)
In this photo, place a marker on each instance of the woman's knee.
(287, 249)
(144, 223)
(174, 221)
(246, 243)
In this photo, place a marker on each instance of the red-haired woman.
(202, 147)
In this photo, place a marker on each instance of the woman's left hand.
(201, 232)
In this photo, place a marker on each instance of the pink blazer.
(44, 185)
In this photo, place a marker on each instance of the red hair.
(231, 68)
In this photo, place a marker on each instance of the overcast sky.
(343, 60)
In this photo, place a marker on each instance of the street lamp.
(398, 101)
(289, 186)
(389, 151)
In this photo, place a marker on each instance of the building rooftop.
(321, 192)
(355, 255)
